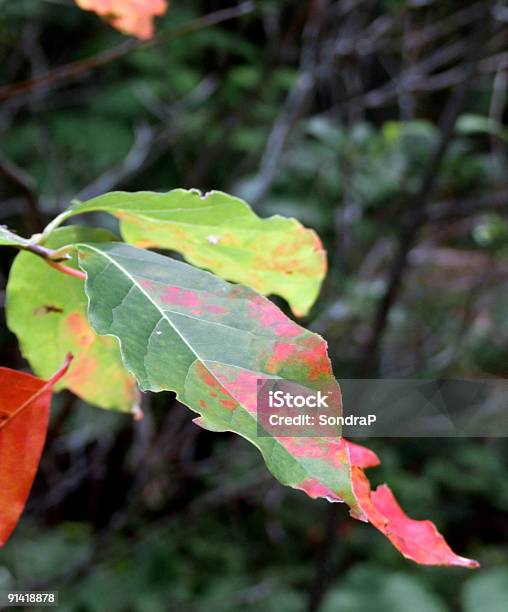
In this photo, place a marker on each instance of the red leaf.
(419, 541)
(24, 413)
(360, 456)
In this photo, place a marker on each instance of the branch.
(446, 26)
(417, 213)
(144, 138)
(76, 69)
(418, 77)
(295, 103)
(451, 210)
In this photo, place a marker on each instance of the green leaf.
(185, 330)
(221, 233)
(10, 238)
(47, 311)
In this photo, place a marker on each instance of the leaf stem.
(56, 222)
(53, 259)
(66, 270)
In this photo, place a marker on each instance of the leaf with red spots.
(194, 333)
(221, 233)
(185, 330)
(24, 413)
(134, 17)
(226, 397)
(315, 465)
(47, 311)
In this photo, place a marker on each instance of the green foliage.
(369, 589)
(487, 591)
(491, 232)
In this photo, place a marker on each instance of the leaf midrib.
(247, 230)
(163, 311)
(274, 439)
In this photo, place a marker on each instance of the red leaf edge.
(419, 541)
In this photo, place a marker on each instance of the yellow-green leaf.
(47, 311)
(221, 233)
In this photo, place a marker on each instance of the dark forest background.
(381, 125)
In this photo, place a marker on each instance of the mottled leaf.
(211, 342)
(47, 311)
(134, 17)
(24, 413)
(221, 233)
(195, 334)
(226, 397)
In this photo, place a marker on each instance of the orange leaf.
(24, 413)
(134, 17)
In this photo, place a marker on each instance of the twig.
(143, 142)
(76, 69)
(322, 574)
(53, 259)
(497, 106)
(24, 182)
(419, 78)
(458, 209)
(416, 217)
(446, 26)
(295, 102)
